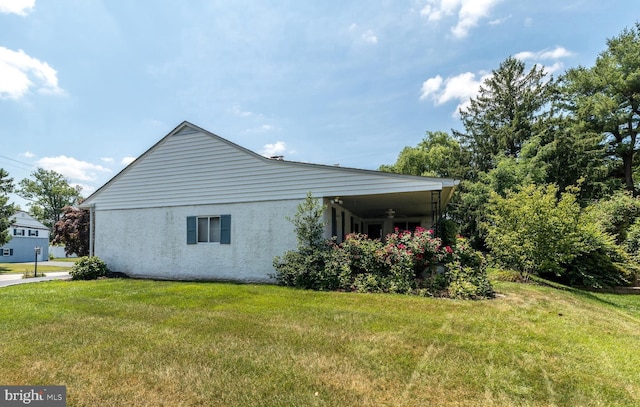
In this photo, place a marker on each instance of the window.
(209, 229)
(33, 232)
(18, 232)
(7, 252)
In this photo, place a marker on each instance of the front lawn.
(146, 343)
(21, 268)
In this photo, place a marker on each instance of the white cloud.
(20, 72)
(556, 53)
(460, 88)
(72, 168)
(469, 13)
(107, 160)
(370, 37)
(27, 154)
(19, 7)
(546, 54)
(430, 86)
(558, 66)
(127, 160)
(277, 148)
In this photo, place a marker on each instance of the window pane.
(214, 229)
(203, 229)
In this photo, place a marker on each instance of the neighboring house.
(197, 206)
(26, 234)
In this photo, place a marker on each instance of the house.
(198, 207)
(26, 235)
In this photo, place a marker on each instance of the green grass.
(145, 343)
(66, 259)
(21, 268)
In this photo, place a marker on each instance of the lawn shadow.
(586, 292)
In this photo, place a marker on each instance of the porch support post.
(436, 203)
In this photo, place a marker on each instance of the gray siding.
(193, 167)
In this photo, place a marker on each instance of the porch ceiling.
(405, 204)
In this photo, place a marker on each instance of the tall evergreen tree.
(6, 209)
(505, 113)
(606, 100)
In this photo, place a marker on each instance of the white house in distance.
(198, 207)
(26, 234)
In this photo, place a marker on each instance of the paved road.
(13, 279)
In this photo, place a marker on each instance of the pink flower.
(449, 249)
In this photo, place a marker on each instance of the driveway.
(13, 279)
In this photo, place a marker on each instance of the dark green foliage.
(505, 114)
(616, 214)
(632, 242)
(605, 99)
(597, 269)
(89, 268)
(6, 209)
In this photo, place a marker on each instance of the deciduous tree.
(48, 192)
(72, 230)
(438, 155)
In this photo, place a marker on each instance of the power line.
(27, 165)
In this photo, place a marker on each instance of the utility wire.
(23, 164)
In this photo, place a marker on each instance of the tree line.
(548, 166)
(52, 200)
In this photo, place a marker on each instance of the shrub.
(632, 242)
(532, 231)
(467, 283)
(89, 268)
(617, 214)
(406, 262)
(410, 262)
(306, 267)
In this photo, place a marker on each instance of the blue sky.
(88, 85)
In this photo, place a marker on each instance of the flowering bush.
(409, 262)
(405, 262)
